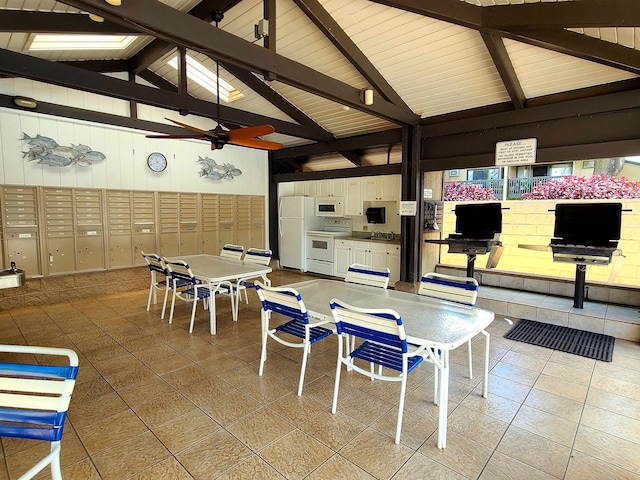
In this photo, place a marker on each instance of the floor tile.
(296, 454)
(260, 428)
(462, 455)
(333, 430)
(253, 467)
(185, 430)
(376, 454)
(502, 467)
(338, 467)
(214, 455)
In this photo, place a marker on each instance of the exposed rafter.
(51, 72)
(331, 29)
(503, 64)
(185, 30)
(47, 22)
(585, 14)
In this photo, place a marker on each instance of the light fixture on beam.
(367, 96)
(96, 18)
(25, 102)
(115, 3)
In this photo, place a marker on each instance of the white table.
(437, 324)
(213, 270)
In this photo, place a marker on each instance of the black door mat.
(564, 339)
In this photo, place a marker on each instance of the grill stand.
(578, 289)
(471, 260)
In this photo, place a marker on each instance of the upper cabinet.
(382, 188)
(353, 197)
(320, 188)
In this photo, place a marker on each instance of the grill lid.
(591, 224)
(478, 220)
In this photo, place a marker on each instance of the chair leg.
(435, 385)
(263, 354)
(149, 299)
(403, 389)
(307, 346)
(164, 303)
(336, 385)
(193, 313)
(56, 474)
(173, 305)
(470, 359)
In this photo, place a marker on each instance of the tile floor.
(154, 402)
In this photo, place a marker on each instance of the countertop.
(366, 237)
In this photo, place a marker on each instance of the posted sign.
(516, 152)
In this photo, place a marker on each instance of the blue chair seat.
(297, 329)
(385, 356)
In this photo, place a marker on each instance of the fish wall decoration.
(47, 152)
(215, 171)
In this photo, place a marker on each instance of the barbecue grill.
(584, 234)
(478, 227)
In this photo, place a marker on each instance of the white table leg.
(485, 378)
(444, 400)
(212, 308)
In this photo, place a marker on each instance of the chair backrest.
(382, 326)
(155, 263)
(232, 251)
(282, 300)
(367, 275)
(447, 287)
(180, 272)
(258, 256)
(34, 398)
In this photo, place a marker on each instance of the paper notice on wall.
(408, 208)
(516, 152)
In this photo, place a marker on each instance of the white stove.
(320, 244)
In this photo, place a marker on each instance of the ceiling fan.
(219, 137)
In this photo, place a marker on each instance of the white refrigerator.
(296, 215)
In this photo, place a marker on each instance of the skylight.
(42, 41)
(207, 79)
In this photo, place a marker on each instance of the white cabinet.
(299, 189)
(375, 254)
(342, 257)
(353, 197)
(393, 262)
(338, 187)
(382, 188)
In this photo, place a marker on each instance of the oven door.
(320, 247)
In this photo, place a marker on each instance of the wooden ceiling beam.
(503, 64)
(181, 29)
(582, 14)
(332, 30)
(47, 22)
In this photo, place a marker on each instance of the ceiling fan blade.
(199, 137)
(256, 143)
(248, 132)
(206, 133)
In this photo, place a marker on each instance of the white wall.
(126, 150)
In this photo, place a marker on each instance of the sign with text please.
(516, 152)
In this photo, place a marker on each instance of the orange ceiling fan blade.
(249, 132)
(256, 143)
(193, 129)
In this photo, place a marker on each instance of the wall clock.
(157, 162)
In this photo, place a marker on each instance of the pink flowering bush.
(597, 186)
(460, 191)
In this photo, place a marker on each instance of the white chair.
(34, 400)
(160, 280)
(384, 345)
(367, 275)
(232, 251)
(462, 290)
(186, 287)
(288, 302)
(256, 256)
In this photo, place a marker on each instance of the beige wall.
(531, 222)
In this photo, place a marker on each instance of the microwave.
(329, 206)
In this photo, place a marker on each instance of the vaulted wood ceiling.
(465, 73)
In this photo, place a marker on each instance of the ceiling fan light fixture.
(96, 18)
(25, 102)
